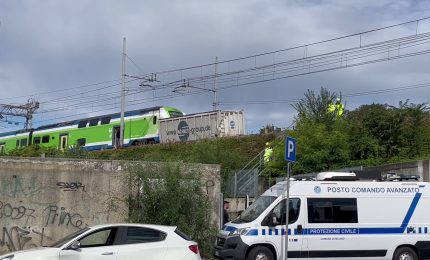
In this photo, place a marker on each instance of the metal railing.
(245, 181)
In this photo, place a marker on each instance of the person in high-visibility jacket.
(268, 152)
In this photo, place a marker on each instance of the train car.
(95, 133)
(13, 140)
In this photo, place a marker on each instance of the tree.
(314, 107)
(385, 131)
(320, 147)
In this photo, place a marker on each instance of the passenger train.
(95, 133)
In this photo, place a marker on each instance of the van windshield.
(256, 208)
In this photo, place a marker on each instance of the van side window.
(332, 210)
(280, 211)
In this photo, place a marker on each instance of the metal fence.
(245, 181)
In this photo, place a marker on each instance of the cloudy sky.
(67, 54)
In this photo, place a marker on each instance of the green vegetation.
(168, 196)
(369, 135)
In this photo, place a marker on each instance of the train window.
(175, 113)
(105, 120)
(36, 140)
(80, 142)
(154, 120)
(82, 123)
(17, 143)
(24, 142)
(94, 122)
(45, 139)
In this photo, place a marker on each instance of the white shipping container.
(202, 126)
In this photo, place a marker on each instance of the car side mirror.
(75, 245)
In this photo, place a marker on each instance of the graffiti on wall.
(29, 210)
(18, 238)
(71, 186)
(59, 216)
(12, 212)
(16, 187)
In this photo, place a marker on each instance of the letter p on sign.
(290, 149)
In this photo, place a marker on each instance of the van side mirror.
(273, 220)
(270, 220)
(75, 245)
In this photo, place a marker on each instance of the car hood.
(35, 253)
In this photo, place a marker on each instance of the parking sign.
(290, 149)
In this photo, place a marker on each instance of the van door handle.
(299, 229)
(107, 253)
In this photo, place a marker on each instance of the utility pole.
(26, 110)
(121, 127)
(214, 89)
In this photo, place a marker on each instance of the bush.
(167, 196)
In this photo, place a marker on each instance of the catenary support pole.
(214, 89)
(121, 127)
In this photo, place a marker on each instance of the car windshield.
(66, 239)
(256, 208)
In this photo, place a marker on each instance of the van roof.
(350, 188)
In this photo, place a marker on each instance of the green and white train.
(95, 133)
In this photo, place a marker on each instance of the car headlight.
(240, 232)
(9, 257)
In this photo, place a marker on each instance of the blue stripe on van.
(229, 228)
(345, 231)
(410, 211)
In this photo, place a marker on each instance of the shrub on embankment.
(172, 196)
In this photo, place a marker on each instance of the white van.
(333, 219)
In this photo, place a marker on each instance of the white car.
(116, 242)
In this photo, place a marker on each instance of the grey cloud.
(54, 45)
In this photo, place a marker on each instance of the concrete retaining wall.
(420, 168)
(42, 200)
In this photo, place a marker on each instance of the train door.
(116, 136)
(2, 148)
(64, 140)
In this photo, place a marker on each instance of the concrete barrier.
(42, 200)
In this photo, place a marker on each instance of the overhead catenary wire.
(221, 80)
(350, 95)
(363, 33)
(265, 73)
(61, 90)
(297, 47)
(337, 67)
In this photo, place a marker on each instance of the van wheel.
(405, 253)
(260, 253)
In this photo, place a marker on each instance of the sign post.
(290, 157)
